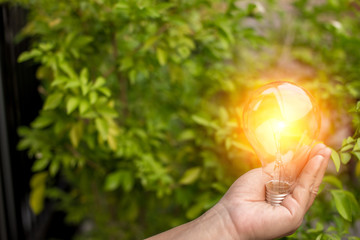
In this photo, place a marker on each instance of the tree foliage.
(142, 100)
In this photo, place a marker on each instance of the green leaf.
(84, 106)
(242, 146)
(221, 188)
(84, 76)
(357, 145)
(353, 238)
(102, 126)
(28, 55)
(342, 203)
(53, 101)
(121, 177)
(350, 140)
(224, 116)
(149, 42)
(357, 169)
(59, 80)
(190, 176)
(105, 91)
(183, 51)
(187, 135)
(76, 133)
(354, 203)
(345, 157)
(121, 6)
(347, 147)
(112, 181)
(72, 104)
(46, 46)
(204, 122)
(318, 228)
(38, 179)
(133, 211)
(228, 143)
(161, 56)
(319, 237)
(126, 63)
(195, 210)
(333, 181)
(54, 168)
(68, 70)
(40, 164)
(36, 199)
(24, 144)
(201, 121)
(72, 84)
(59, 127)
(85, 89)
(227, 32)
(112, 142)
(336, 159)
(74, 136)
(356, 154)
(37, 194)
(93, 96)
(132, 76)
(127, 181)
(99, 82)
(42, 121)
(106, 111)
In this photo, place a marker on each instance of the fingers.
(309, 181)
(302, 156)
(325, 153)
(297, 202)
(249, 186)
(317, 148)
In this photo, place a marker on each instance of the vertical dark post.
(19, 104)
(9, 217)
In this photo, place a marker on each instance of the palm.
(245, 200)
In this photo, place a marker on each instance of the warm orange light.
(281, 121)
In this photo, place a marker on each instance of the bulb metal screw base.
(276, 191)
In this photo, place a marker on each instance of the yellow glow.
(280, 126)
(270, 132)
(281, 119)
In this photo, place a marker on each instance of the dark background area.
(19, 105)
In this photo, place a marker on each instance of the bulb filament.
(279, 165)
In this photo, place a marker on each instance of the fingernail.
(318, 160)
(322, 145)
(328, 150)
(325, 151)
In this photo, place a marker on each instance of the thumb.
(308, 182)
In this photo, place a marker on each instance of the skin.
(243, 212)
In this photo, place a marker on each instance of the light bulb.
(281, 122)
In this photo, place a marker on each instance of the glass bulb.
(281, 122)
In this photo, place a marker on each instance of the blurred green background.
(143, 98)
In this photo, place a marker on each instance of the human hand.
(253, 218)
(243, 212)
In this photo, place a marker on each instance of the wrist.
(218, 222)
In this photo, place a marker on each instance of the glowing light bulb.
(281, 122)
